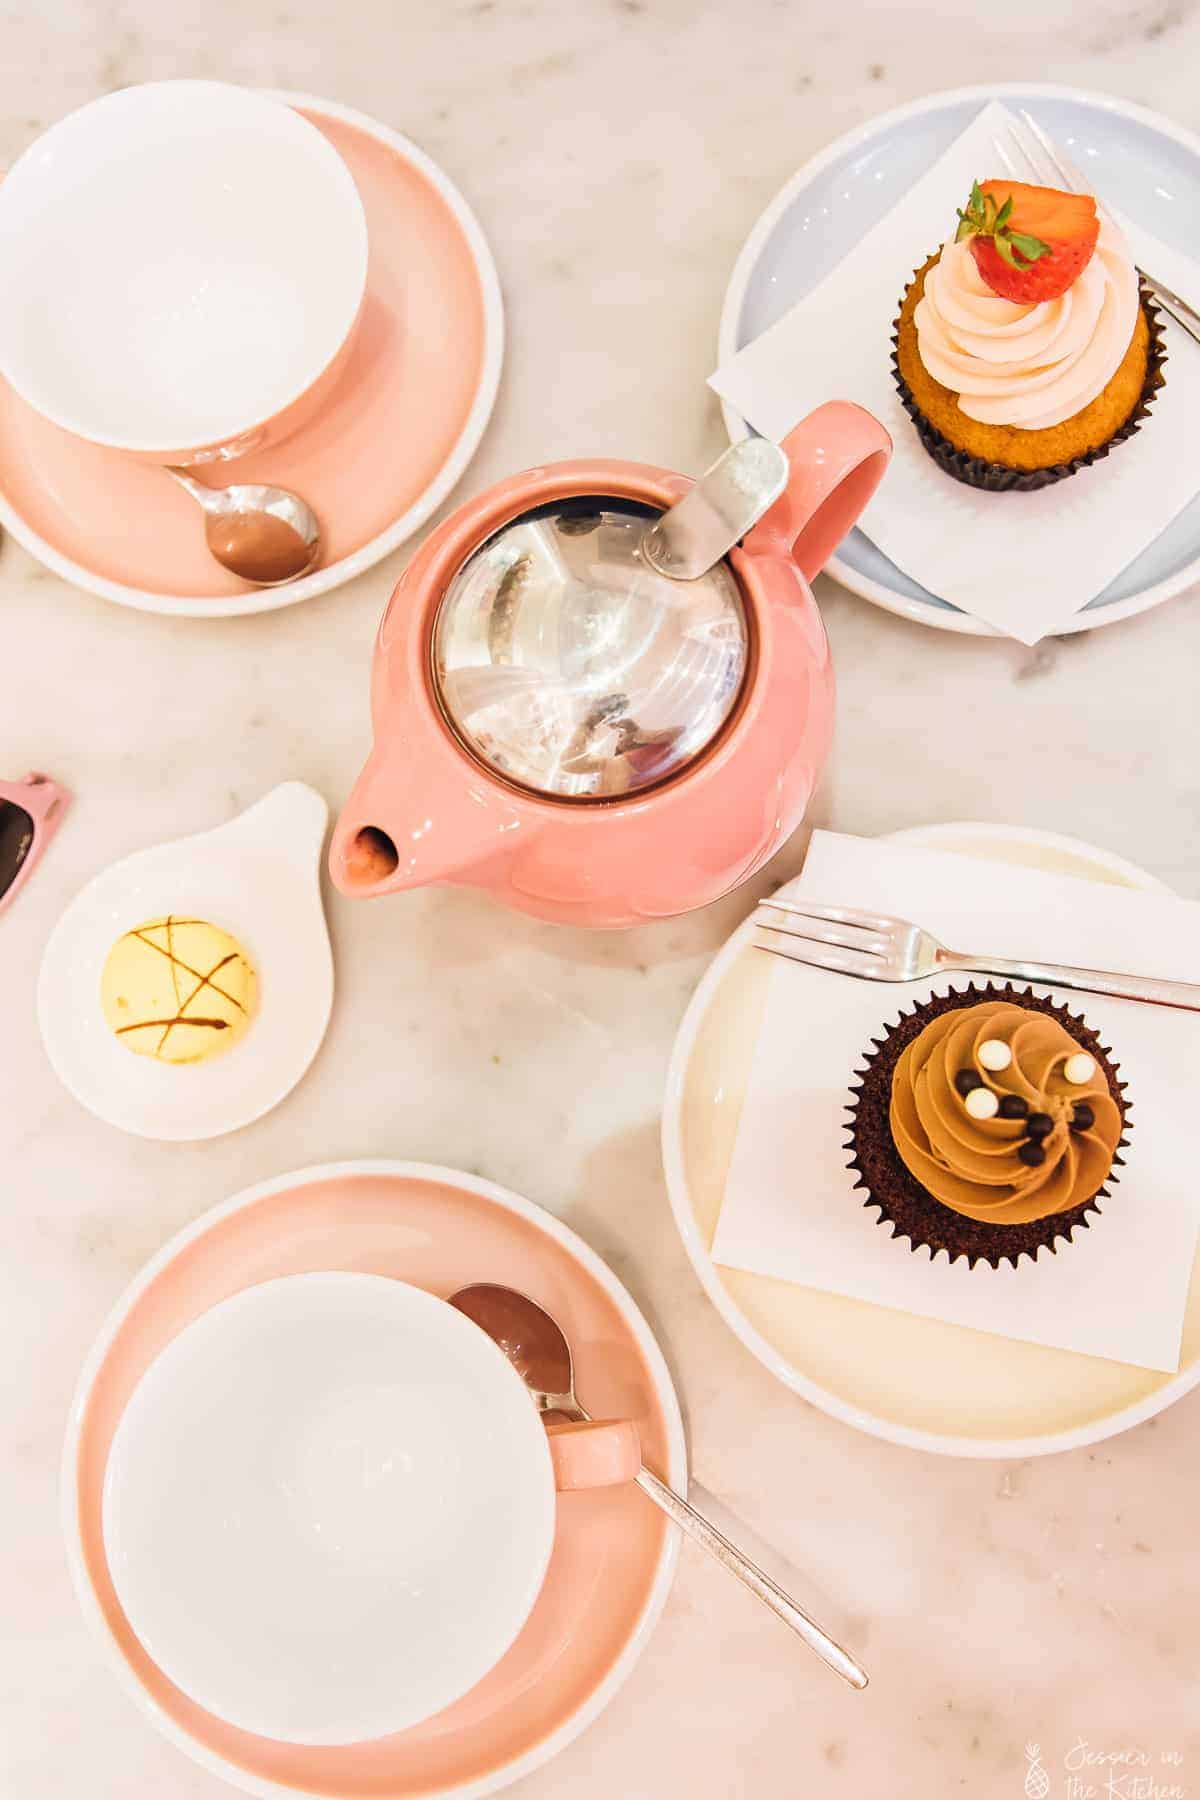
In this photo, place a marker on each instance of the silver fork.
(1049, 166)
(877, 948)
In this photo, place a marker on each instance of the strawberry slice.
(1029, 243)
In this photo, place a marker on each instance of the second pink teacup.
(184, 267)
(329, 1506)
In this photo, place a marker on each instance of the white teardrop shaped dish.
(258, 878)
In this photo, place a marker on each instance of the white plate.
(329, 1507)
(1144, 164)
(256, 877)
(914, 1381)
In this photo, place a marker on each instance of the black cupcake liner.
(998, 478)
(910, 1209)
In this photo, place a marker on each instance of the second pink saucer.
(614, 1554)
(397, 434)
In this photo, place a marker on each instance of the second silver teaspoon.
(537, 1347)
(263, 535)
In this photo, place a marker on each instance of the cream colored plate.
(912, 1380)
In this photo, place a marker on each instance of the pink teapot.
(591, 739)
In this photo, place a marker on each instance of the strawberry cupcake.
(1026, 348)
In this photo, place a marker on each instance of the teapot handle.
(838, 457)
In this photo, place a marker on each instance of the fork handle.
(1184, 994)
(1175, 304)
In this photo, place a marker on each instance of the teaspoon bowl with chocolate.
(266, 536)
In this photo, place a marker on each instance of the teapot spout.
(403, 828)
(368, 861)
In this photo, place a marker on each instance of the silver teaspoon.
(537, 1347)
(263, 535)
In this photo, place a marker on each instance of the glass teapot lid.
(571, 667)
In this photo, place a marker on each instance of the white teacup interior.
(181, 261)
(328, 1507)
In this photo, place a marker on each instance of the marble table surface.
(616, 151)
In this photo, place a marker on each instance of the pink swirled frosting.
(1030, 366)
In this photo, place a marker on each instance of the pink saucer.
(385, 452)
(613, 1558)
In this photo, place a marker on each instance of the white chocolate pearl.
(1079, 1068)
(982, 1103)
(993, 1054)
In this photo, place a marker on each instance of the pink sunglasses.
(31, 811)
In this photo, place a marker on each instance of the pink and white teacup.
(329, 1506)
(185, 264)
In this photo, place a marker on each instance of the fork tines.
(840, 938)
(832, 925)
(1042, 159)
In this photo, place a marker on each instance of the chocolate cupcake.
(1023, 358)
(987, 1123)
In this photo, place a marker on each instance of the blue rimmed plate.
(1144, 166)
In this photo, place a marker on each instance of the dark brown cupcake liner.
(998, 478)
(910, 1209)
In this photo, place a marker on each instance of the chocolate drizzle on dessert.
(188, 983)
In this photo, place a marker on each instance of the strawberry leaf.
(1004, 250)
(1005, 213)
(1031, 248)
(974, 217)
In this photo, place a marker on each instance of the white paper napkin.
(1118, 1290)
(1025, 563)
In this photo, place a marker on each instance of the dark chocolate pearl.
(967, 1080)
(1013, 1106)
(1083, 1118)
(1039, 1125)
(1033, 1154)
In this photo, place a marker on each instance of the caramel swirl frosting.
(973, 1165)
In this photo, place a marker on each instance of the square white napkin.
(1025, 563)
(1118, 1290)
